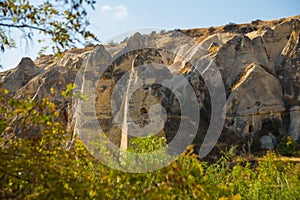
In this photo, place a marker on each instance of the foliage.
(112, 43)
(230, 27)
(213, 50)
(41, 160)
(64, 22)
(147, 144)
(69, 92)
(288, 147)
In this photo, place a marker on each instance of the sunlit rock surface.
(259, 64)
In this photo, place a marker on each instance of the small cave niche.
(143, 110)
(250, 129)
(231, 123)
(146, 87)
(271, 128)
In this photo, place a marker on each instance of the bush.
(230, 27)
(288, 147)
(256, 22)
(55, 166)
(211, 29)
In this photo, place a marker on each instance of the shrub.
(51, 166)
(230, 27)
(211, 29)
(287, 147)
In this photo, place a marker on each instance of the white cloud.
(120, 12)
(105, 9)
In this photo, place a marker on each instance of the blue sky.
(112, 18)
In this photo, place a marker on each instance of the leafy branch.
(63, 22)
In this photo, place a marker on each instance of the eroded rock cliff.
(259, 65)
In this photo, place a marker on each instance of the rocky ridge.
(259, 65)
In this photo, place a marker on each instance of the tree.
(48, 164)
(63, 22)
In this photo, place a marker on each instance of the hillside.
(244, 79)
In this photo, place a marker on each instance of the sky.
(112, 20)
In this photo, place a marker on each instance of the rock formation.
(259, 65)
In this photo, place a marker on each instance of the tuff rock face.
(259, 64)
